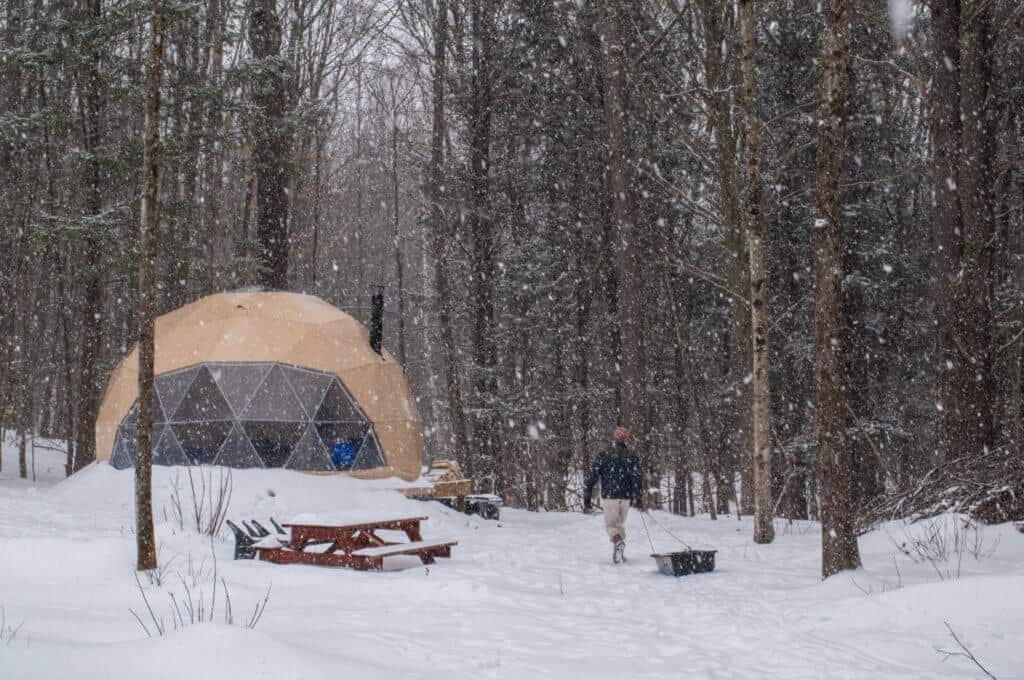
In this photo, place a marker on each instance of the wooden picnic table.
(353, 543)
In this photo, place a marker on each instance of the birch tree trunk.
(145, 537)
(838, 540)
(764, 530)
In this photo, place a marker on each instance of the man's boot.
(618, 549)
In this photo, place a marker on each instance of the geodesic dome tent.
(266, 379)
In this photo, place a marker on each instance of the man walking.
(618, 470)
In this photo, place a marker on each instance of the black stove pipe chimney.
(377, 320)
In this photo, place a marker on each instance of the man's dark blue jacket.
(618, 470)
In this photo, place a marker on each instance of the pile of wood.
(443, 480)
(989, 488)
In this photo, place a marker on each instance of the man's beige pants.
(615, 510)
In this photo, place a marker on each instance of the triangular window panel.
(310, 388)
(274, 400)
(132, 418)
(337, 405)
(237, 451)
(273, 440)
(203, 402)
(337, 433)
(238, 382)
(309, 453)
(158, 411)
(370, 456)
(171, 389)
(128, 428)
(202, 441)
(167, 450)
(123, 457)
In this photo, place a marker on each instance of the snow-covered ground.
(533, 596)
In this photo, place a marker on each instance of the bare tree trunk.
(685, 370)
(790, 395)
(962, 167)
(764, 530)
(213, 50)
(439, 234)
(485, 430)
(715, 15)
(271, 145)
(614, 63)
(92, 310)
(145, 535)
(583, 298)
(399, 265)
(977, 402)
(23, 452)
(838, 540)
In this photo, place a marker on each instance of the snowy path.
(534, 596)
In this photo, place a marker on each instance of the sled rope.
(647, 531)
(665, 529)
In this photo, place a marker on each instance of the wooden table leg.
(412, 530)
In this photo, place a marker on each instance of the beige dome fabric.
(287, 328)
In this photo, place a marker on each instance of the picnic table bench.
(352, 542)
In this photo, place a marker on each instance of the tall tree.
(439, 235)
(91, 104)
(838, 538)
(617, 119)
(962, 171)
(764, 529)
(717, 59)
(272, 143)
(481, 228)
(145, 536)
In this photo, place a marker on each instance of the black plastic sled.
(684, 562)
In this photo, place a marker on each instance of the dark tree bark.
(481, 227)
(213, 68)
(714, 15)
(91, 318)
(438, 237)
(764, 529)
(145, 535)
(686, 379)
(838, 539)
(614, 67)
(790, 395)
(272, 143)
(399, 263)
(583, 298)
(963, 152)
